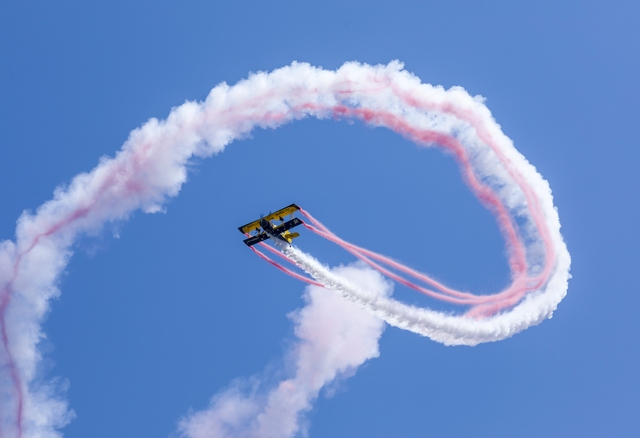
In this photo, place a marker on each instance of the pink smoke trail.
(521, 282)
(152, 166)
(285, 270)
(500, 300)
(363, 254)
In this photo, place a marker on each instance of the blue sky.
(154, 323)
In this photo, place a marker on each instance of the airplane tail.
(289, 236)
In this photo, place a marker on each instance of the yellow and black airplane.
(267, 226)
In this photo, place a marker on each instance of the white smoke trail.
(334, 339)
(447, 329)
(151, 166)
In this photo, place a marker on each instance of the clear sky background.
(154, 323)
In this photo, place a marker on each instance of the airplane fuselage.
(268, 228)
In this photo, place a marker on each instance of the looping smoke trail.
(497, 301)
(152, 166)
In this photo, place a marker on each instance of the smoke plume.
(152, 166)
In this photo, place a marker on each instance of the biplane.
(274, 225)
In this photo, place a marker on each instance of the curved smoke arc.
(151, 166)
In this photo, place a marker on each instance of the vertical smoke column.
(334, 338)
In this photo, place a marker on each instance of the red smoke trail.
(487, 304)
(517, 259)
(453, 297)
(152, 166)
(283, 269)
(484, 305)
(521, 282)
(15, 377)
(7, 291)
(324, 232)
(450, 295)
(477, 122)
(5, 299)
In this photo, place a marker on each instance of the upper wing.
(251, 226)
(278, 215)
(282, 213)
